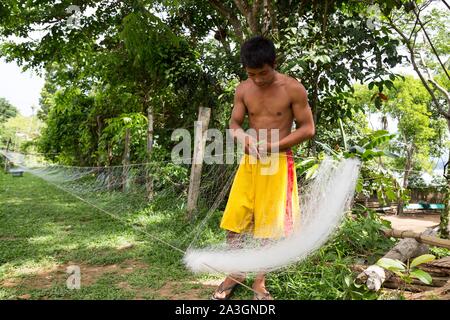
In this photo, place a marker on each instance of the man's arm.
(238, 114)
(303, 116)
(237, 118)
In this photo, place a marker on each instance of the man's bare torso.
(269, 107)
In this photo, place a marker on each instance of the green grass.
(44, 229)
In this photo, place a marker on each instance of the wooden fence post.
(109, 170)
(148, 177)
(99, 134)
(126, 161)
(199, 151)
(6, 155)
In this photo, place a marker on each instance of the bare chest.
(273, 103)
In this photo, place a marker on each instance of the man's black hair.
(257, 51)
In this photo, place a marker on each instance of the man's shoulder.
(243, 86)
(244, 83)
(294, 85)
(291, 81)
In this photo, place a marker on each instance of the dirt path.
(413, 222)
(46, 278)
(418, 222)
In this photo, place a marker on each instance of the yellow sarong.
(264, 197)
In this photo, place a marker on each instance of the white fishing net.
(120, 191)
(324, 202)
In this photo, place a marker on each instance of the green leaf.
(310, 172)
(389, 84)
(422, 259)
(391, 194)
(348, 281)
(324, 59)
(379, 138)
(378, 103)
(359, 185)
(327, 148)
(391, 265)
(370, 154)
(306, 162)
(422, 276)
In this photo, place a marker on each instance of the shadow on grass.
(41, 226)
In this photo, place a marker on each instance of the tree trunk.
(442, 293)
(374, 276)
(395, 282)
(415, 286)
(437, 268)
(434, 241)
(444, 217)
(444, 113)
(408, 167)
(384, 122)
(197, 162)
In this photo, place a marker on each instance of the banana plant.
(368, 147)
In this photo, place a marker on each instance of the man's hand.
(264, 148)
(250, 145)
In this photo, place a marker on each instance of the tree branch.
(249, 13)
(243, 7)
(254, 25)
(446, 4)
(324, 18)
(435, 84)
(273, 17)
(431, 44)
(413, 30)
(442, 90)
(227, 13)
(416, 68)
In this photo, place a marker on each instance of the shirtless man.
(264, 205)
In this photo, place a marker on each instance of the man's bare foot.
(263, 295)
(261, 292)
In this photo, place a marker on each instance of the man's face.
(261, 76)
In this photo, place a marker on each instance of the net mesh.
(133, 194)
